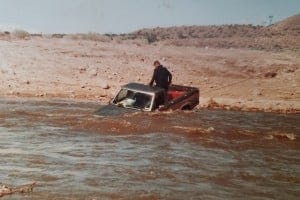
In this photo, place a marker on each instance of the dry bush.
(57, 35)
(91, 36)
(36, 35)
(95, 37)
(110, 36)
(20, 34)
(181, 35)
(151, 37)
(4, 36)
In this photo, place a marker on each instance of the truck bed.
(182, 97)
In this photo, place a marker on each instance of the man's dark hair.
(156, 63)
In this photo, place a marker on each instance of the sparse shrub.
(180, 35)
(90, 36)
(36, 35)
(21, 34)
(151, 37)
(57, 35)
(277, 47)
(95, 37)
(208, 35)
(110, 35)
(132, 36)
(193, 34)
(165, 36)
(122, 36)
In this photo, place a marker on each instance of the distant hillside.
(289, 24)
(282, 35)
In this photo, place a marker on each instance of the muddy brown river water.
(73, 154)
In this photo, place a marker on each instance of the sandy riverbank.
(94, 70)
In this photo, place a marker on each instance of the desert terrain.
(240, 67)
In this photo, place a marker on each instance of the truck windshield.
(133, 99)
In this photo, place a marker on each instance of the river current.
(203, 154)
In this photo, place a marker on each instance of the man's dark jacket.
(162, 77)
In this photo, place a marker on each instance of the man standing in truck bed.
(161, 76)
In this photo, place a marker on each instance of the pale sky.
(120, 16)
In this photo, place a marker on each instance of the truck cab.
(136, 96)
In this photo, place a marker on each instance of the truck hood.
(113, 110)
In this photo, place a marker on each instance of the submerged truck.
(136, 96)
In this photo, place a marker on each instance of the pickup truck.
(136, 96)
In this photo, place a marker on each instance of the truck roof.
(142, 87)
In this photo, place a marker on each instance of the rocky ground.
(93, 67)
